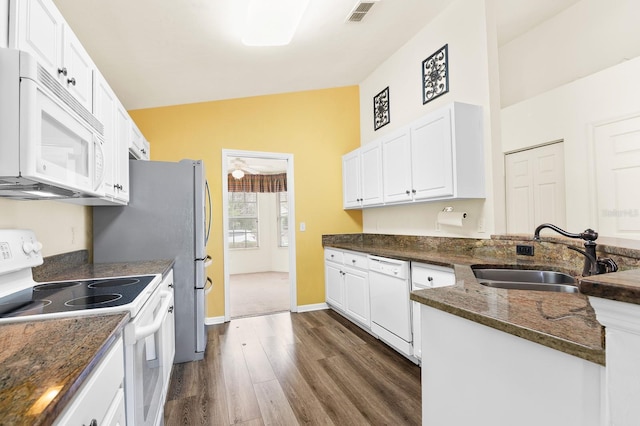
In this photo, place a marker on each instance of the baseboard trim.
(214, 320)
(313, 307)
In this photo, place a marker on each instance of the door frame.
(229, 153)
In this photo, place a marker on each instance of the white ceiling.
(168, 52)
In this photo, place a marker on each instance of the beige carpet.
(259, 293)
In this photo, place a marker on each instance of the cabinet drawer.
(356, 260)
(431, 275)
(333, 255)
(98, 394)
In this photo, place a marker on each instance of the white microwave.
(50, 145)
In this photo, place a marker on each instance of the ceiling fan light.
(237, 174)
(272, 22)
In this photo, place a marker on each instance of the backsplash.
(549, 251)
(54, 264)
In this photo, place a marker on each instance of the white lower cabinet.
(347, 284)
(501, 380)
(100, 400)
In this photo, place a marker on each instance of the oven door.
(145, 360)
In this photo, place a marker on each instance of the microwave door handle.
(145, 330)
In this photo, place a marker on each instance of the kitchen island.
(497, 356)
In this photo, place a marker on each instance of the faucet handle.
(606, 265)
(589, 235)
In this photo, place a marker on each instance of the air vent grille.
(360, 10)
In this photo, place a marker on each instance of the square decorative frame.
(381, 112)
(435, 75)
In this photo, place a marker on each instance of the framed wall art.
(435, 75)
(381, 113)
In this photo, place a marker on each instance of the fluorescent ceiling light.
(272, 22)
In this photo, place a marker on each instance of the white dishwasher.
(390, 305)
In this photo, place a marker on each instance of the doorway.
(259, 249)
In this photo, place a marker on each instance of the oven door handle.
(146, 330)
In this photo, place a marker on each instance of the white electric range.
(148, 337)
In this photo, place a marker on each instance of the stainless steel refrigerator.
(168, 217)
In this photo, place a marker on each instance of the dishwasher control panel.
(391, 267)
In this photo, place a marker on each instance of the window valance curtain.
(258, 183)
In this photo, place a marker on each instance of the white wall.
(4, 23)
(570, 112)
(60, 227)
(468, 29)
(268, 257)
(586, 38)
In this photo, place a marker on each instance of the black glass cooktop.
(68, 296)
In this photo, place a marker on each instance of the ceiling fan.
(239, 168)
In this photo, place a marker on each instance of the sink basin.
(527, 279)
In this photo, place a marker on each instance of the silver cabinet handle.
(71, 81)
(62, 71)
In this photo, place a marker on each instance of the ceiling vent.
(360, 10)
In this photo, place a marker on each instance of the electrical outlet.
(524, 250)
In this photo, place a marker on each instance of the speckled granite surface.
(561, 321)
(102, 270)
(38, 356)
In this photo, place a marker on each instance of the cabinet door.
(371, 174)
(351, 180)
(79, 78)
(123, 132)
(535, 188)
(356, 295)
(396, 170)
(37, 28)
(105, 111)
(617, 147)
(334, 285)
(431, 156)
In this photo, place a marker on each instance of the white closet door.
(617, 157)
(535, 191)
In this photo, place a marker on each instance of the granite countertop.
(39, 357)
(562, 321)
(622, 286)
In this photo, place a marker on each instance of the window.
(243, 220)
(283, 219)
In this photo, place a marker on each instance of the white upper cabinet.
(351, 187)
(123, 135)
(116, 121)
(138, 145)
(105, 110)
(396, 170)
(36, 26)
(431, 151)
(362, 176)
(371, 174)
(79, 78)
(437, 157)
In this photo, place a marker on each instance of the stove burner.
(89, 301)
(114, 282)
(56, 286)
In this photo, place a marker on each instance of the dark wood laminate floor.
(312, 368)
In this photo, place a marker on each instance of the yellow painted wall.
(317, 127)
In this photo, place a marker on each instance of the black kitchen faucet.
(592, 265)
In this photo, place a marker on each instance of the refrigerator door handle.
(210, 219)
(209, 286)
(208, 261)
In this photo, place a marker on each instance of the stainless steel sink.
(527, 279)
